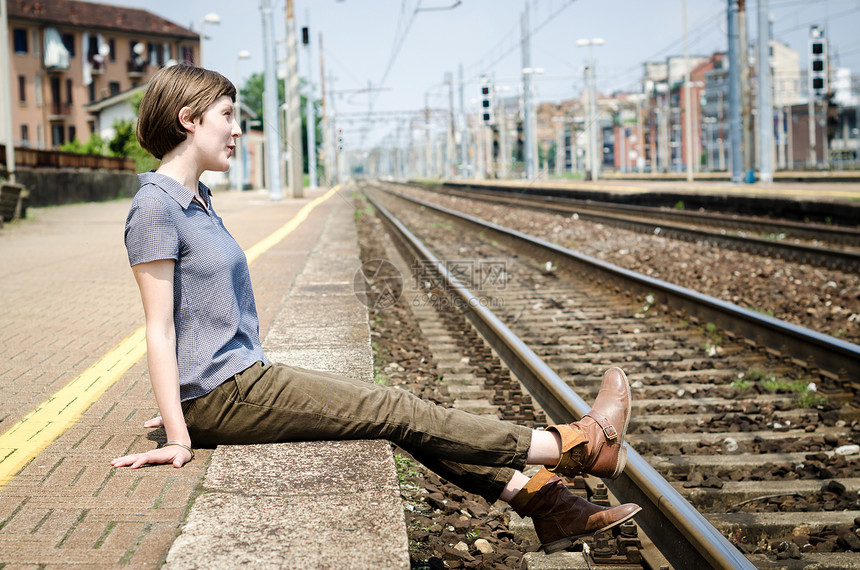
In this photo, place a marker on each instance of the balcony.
(59, 111)
(136, 68)
(97, 64)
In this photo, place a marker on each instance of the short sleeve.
(150, 232)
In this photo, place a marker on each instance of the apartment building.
(66, 54)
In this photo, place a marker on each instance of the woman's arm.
(155, 280)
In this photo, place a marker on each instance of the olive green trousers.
(280, 403)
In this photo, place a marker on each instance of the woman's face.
(216, 133)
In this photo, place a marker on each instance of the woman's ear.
(185, 119)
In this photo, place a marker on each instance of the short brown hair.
(171, 89)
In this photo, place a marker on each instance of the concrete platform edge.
(309, 504)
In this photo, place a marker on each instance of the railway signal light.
(817, 62)
(487, 101)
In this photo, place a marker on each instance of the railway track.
(834, 247)
(704, 414)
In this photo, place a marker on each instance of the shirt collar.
(174, 189)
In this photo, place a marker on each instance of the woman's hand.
(154, 422)
(175, 454)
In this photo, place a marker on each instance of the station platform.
(70, 339)
(815, 200)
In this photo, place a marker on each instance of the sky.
(404, 48)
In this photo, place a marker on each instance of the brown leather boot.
(559, 516)
(595, 444)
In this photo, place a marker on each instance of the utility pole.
(527, 97)
(294, 116)
(323, 118)
(594, 153)
(688, 109)
(559, 149)
(504, 153)
(449, 146)
(765, 106)
(334, 143)
(6, 92)
(746, 98)
(640, 129)
(311, 119)
(464, 132)
(270, 103)
(735, 121)
(426, 136)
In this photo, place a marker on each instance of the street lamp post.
(530, 120)
(240, 146)
(6, 94)
(210, 18)
(594, 162)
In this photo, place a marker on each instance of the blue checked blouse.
(217, 329)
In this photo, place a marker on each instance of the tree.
(252, 97)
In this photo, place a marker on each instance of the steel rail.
(819, 256)
(839, 234)
(684, 536)
(813, 349)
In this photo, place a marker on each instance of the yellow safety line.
(38, 429)
(255, 251)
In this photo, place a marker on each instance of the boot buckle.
(610, 433)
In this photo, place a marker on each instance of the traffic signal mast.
(818, 86)
(487, 101)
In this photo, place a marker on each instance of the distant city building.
(68, 54)
(664, 133)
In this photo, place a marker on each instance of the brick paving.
(67, 297)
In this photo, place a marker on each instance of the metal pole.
(688, 111)
(449, 143)
(595, 126)
(765, 106)
(426, 136)
(527, 97)
(735, 123)
(311, 119)
(334, 143)
(464, 132)
(240, 144)
(6, 92)
(504, 152)
(270, 103)
(746, 98)
(323, 118)
(294, 114)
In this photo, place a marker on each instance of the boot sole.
(567, 542)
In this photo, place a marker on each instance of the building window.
(93, 47)
(69, 89)
(112, 45)
(37, 85)
(22, 89)
(25, 135)
(73, 133)
(58, 135)
(92, 91)
(69, 42)
(55, 96)
(114, 87)
(20, 36)
(153, 53)
(35, 42)
(188, 54)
